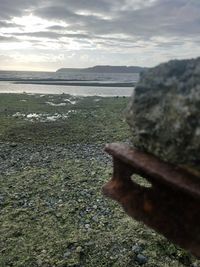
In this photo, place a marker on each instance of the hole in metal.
(140, 181)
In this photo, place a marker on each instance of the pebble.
(89, 243)
(137, 249)
(141, 259)
(67, 254)
(95, 219)
(13, 145)
(43, 155)
(79, 249)
(2, 199)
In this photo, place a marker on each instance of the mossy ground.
(94, 119)
(55, 215)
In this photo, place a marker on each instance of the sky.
(47, 35)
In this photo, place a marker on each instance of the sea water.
(106, 84)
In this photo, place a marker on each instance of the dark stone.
(13, 145)
(164, 112)
(141, 259)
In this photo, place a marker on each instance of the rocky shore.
(15, 157)
(51, 175)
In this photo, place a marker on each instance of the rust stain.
(171, 206)
(148, 207)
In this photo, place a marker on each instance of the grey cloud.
(89, 5)
(10, 8)
(164, 18)
(5, 24)
(79, 36)
(43, 34)
(8, 39)
(56, 12)
(97, 6)
(111, 22)
(53, 35)
(57, 28)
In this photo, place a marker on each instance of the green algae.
(41, 223)
(91, 121)
(56, 215)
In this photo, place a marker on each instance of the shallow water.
(68, 76)
(74, 83)
(9, 87)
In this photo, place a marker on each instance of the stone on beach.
(164, 112)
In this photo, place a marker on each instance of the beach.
(52, 170)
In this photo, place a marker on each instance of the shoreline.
(63, 89)
(95, 84)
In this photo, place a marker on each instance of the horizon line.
(107, 65)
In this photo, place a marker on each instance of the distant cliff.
(105, 69)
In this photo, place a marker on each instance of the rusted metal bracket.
(171, 205)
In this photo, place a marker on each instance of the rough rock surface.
(164, 112)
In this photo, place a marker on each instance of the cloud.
(10, 8)
(57, 28)
(61, 8)
(5, 58)
(168, 17)
(134, 18)
(8, 39)
(53, 35)
(5, 24)
(137, 28)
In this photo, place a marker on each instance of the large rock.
(164, 113)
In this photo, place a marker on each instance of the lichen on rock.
(164, 112)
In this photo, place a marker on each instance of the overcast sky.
(49, 34)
